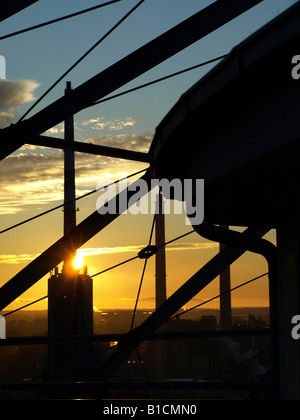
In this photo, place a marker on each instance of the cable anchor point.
(148, 252)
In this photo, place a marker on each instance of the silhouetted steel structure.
(249, 160)
(127, 69)
(225, 298)
(12, 7)
(160, 256)
(93, 149)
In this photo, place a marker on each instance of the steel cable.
(81, 59)
(50, 22)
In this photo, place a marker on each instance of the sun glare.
(78, 262)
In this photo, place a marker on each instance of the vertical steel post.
(69, 170)
(288, 292)
(161, 347)
(69, 183)
(225, 298)
(160, 258)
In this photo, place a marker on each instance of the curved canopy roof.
(238, 129)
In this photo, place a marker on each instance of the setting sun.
(78, 262)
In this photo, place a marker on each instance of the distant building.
(70, 312)
(251, 323)
(208, 322)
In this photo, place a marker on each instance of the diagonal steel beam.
(10, 8)
(63, 248)
(174, 303)
(135, 64)
(93, 149)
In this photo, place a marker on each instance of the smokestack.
(161, 293)
(225, 299)
(161, 347)
(69, 182)
(70, 294)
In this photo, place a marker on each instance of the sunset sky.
(31, 180)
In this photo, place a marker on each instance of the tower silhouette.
(70, 292)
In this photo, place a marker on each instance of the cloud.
(33, 177)
(58, 129)
(137, 142)
(14, 93)
(30, 179)
(86, 252)
(16, 259)
(6, 118)
(191, 246)
(102, 123)
(188, 246)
